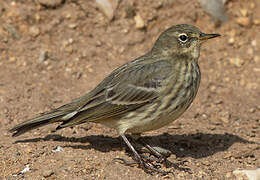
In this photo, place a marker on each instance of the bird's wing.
(138, 84)
(123, 91)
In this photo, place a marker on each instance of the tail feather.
(37, 122)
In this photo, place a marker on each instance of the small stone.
(256, 69)
(206, 163)
(68, 16)
(218, 102)
(225, 117)
(12, 59)
(242, 82)
(204, 116)
(107, 7)
(256, 59)
(252, 85)
(250, 174)
(67, 42)
(244, 12)
(34, 31)
(139, 22)
(37, 17)
(236, 61)
(256, 22)
(212, 88)
(244, 21)
(250, 51)
(51, 3)
(252, 5)
(72, 26)
(43, 55)
(231, 41)
(228, 175)
(252, 110)
(47, 173)
(254, 43)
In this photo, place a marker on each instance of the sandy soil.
(51, 54)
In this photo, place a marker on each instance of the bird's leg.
(148, 168)
(159, 152)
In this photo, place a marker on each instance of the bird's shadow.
(197, 145)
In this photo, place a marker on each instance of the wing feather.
(128, 88)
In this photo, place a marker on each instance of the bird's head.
(183, 40)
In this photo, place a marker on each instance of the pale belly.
(157, 121)
(138, 122)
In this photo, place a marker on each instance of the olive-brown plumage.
(142, 95)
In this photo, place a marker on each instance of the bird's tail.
(39, 121)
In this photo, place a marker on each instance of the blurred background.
(52, 51)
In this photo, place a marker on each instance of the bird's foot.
(145, 162)
(160, 154)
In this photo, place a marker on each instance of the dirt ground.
(53, 53)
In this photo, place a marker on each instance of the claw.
(125, 162)
(143, 161)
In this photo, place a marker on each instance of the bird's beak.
(204, 36)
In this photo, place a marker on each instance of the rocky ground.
(54, 51)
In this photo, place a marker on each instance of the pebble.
(256, 69)
(244, 21)
(43, 55)
(252, 5)
(236, 61)
(251, 174)
(231, 41)
(67, 42)
(72, 26)
(26, 169)
(252, 110)
(213, 88)
(34, 31)
(228, 175)
(12, 59)
(252, 85)
(250, 51)
(225, 117)
(254, 43)
(51, 3)
(244, 12)
(47, 173)
(139, 22)
(69, 49)
(107, 7)
(256, 59)
(58, 148)
(256, 22)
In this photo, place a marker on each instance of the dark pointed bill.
(204, 36)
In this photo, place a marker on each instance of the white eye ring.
(183, 37)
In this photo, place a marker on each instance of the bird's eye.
(183, 37)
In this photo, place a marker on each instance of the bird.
(142, 95)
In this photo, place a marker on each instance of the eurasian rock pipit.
(142, 95)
